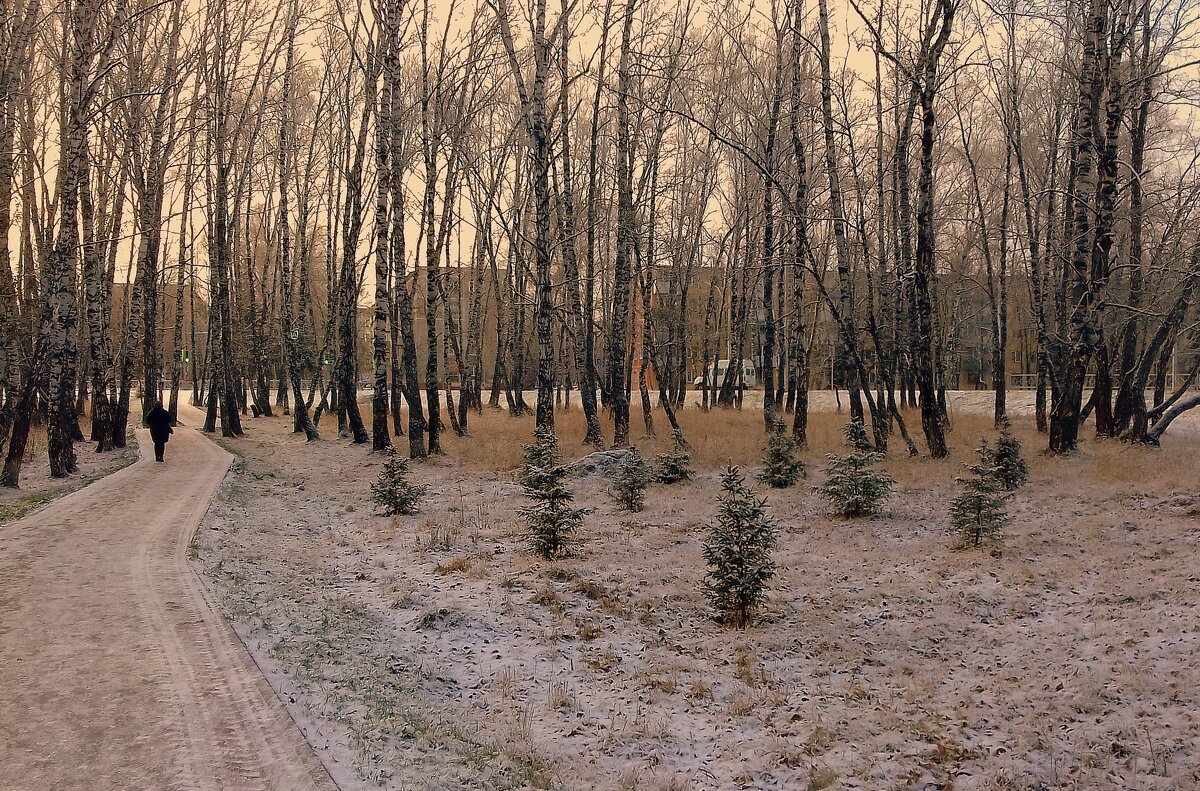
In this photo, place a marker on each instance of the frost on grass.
(471, 663)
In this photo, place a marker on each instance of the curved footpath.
(116, 670)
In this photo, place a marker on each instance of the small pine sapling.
(1008, 461)
(550, 519)
(538, 456)
(630, 481)
(978, 511)
(392, 489)
(851, 486)
(676, 466)
(782, 468)
(855, 433)
(737, 550)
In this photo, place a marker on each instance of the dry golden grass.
(728, 436)
(717, 437)
(454, 566)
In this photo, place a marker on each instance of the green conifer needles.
(392, 489)
(551, 521)
(852, 486)
(737, 550)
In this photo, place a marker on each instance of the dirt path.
(116, 671)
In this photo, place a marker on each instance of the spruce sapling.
(978, 512)
(675, 466)
(631, 480)
(851, 486)
(1010, 464)
(782, 468)
(855, 433)
(737, 550)
(538, 456)
(550, 519)
(392, 489)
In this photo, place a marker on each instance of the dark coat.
(159, 422)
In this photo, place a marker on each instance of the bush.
(978, 512)
(851, 486)
(631, 480)
(392, 489)
(551, 521)
(782, 468)
(737, 550)
(1007, 459)
(676, 466)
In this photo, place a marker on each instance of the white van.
(749, 374)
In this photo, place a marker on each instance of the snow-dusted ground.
(37, 488)
(433, 651)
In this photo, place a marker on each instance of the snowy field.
(434, 652)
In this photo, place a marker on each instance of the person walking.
(159, 422)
